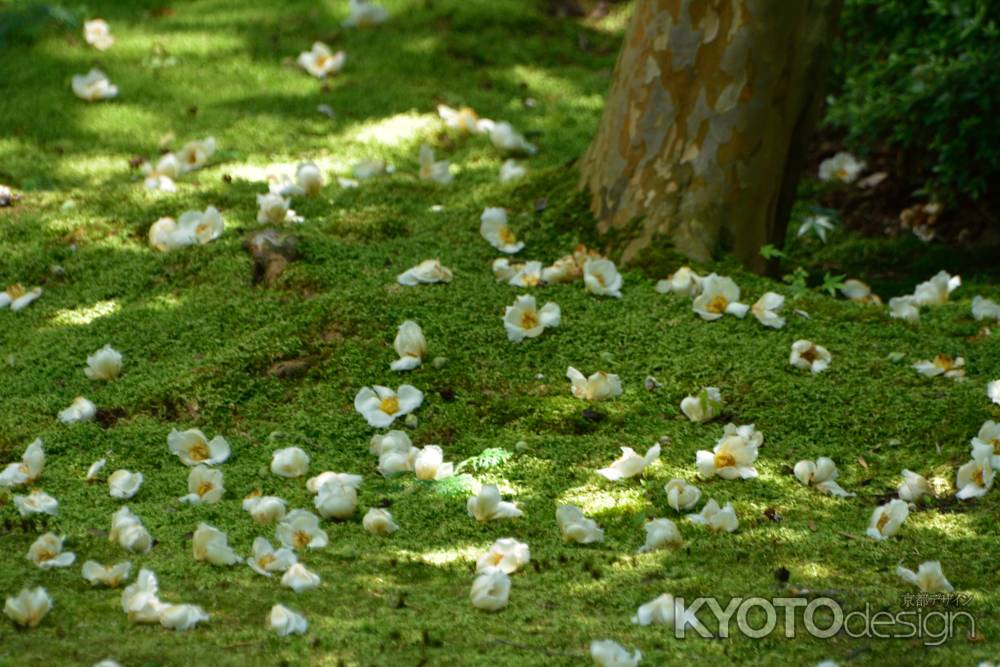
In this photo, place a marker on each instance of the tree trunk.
(706, 125)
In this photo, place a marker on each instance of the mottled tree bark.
(706, 125)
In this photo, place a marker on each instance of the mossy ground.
(198, 339)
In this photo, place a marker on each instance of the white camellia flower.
(161, 177)
(97, 33)
(127, 530)
(490, 590)
(410, 345)
(212, 546)
(426, 272)
(182, 616)
(140, 600)
(290, 462)
(975, 478)
(681, 495)
(609, 653)
(47, 552)
(123, 484)
(274, 209)
(575, 527)
(598, 387)
(913, 486)
(366, 169)
(300, 529)
(935, 292)
(204, 486)
(904, 308)
(528, 274)
(718, 519)
(985, 309)
(380, 406)
(929, 578)
(105, 364)
(80, 410)
(858, 292)
(266, 559)
(842, 167)
(886, 519)
(464, 119)
(661, 534)
(504, 271)
(379, 522)
(747, 431)
(822, 474)
(364, 14)
(300, 579)
(664, 610)
(506, 554)
(314, 484)
(17, 297)
(525, 320)
(95, 469)
(264, 509)
(193, 448)
(28, 470)
(431, 170)
(942, 364)
(732, 457)
(29, 607)
(704, 407)
(809, 356)
(601, 277)
(510, 170)
(111, 576)
(719, 296)
(320, 61)
(507, 140)
(36, 502)
(165, 235)
(429, 464)
(989, 435)
(629, 464)
(493, 227)
(309, 178)
(395, 451)
(195, 154)
(682, 282)
(94, 86)
(993, 391)
(766, 310)
(487, 506)
(286, 622)
(336, 500)
(563, 270)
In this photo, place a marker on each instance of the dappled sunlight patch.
(86, 314)
(596, 498)
(467, 553)
(397, 130)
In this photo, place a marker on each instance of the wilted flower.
(993, 391)
(395, 452)
(111, 576)
(379, 522)
(601, 277)
(264, 509)
(464, 119)
(717, 518)
(490, 590)
(683, 282)
(429, 464)
(266, 559)
(942, 364)
(182, 616)
(858, 292)
(528, 274)
(575, 527)
(975, 478)
(97, 33)
(195, 154)
(28, 470)
(80, 410)
(704, 407)
(410, 345)
(286, 622)
(732, 458)
(904, 308)
(935, 291)
(913, 486)
(212, 546)
(95, 469)
(681, 495)
(809, 356)
(94, 86)
(427, 271)
(929, 578)
(431, 170)
(886, 519)
(193, 448)
(842, 167)
(47, 552)
(719, 296)
(608, 653)
(300, 529)
(525, 320)
(127, 530)
(36, 502)
(507, 140)
(299, 579)
(598, 387)
(661, 534)
(364, 14)
(309, 178)
(274, 209)
(140, 600)
(629, 464)
(289, 462)
(320, 61)
(493, 227)
(336, 500)
(989, 435)
(985, 309)
(105, 364)
(204, 486)
(664, 610)
(766, 310)
(506, 554)
(17, 297)
(29, 607)
(510, 170)
(487, 506)
(161, 177)
(380, 406)
(123, 484)
(822, 474)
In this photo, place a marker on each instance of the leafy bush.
(922, 76)
(24, 22)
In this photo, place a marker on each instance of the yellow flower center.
(204, 488)
(199, 452)
(600, 279)
(724, 460)
(529, 319)
(944, 362)
(811, 354)
(192, 157)
(717, 304)
(265, 560)
(507, 236)
(977, 477)
(15, 291)
(301, 539)
(996, 445)
(389, 405)
(45, 555)
(842, 174)
(882, 520)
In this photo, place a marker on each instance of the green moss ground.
(198, 339)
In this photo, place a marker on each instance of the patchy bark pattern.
(706, 123)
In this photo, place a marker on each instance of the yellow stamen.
(301, 540)
(199, 452)
(717, 304)
(507, 236)
(724, 460)
(529, 319)
(204, 488)
(389, 406)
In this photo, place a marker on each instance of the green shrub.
(922, 77)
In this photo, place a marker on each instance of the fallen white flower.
(665, 610)
(300, 529)
(494, 228)
(609, 653)
(575, 527)
(510, 170)
(182, 616)
(704, 407)
(426, 272)
(140, 600)
(380, 406)
(989, 435)
(123, 484)
(506, 554)
(598, 387)
(28, 470)
(765, 310)
(286, 622)
(81, 410)
(336, 500)
(290, 462)
(935, 292)
(36, 502)
(300, 579)
(193, 448)
(314, 484)
(95, 469)
(431, 170)
(718, 519)
(858, 292)
(681, 495)
(266, 559)
(507, 140)
(127, 530)
(309, 178)
(195, 154)
(29, 607)
(111, 576)
(410, 345)
(105, 364)
(274, 209)
(842, 167)
(97, 33)
(630, 464)
(809, 356)
(94, 86)
(17, 297)
(942, 364)
(264, 509)
(661, 534)
(525, 320)
(211, 545)
(719, 296)
(928, 578)
(682, 282)
(464, 119)
(204, 486)
(913, 486)
(601, 277)
(993, 391)
(429, 464)
(886, 519)
(490, 590)
(379, 522)
(976, 477)
(904, 308)
(822, 474)
(47, 552)
(161, 177)
(320, 61)
(364, 14)
(528, 274)
(487, 506)
(732, 457)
